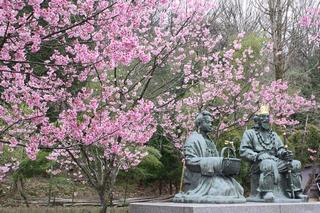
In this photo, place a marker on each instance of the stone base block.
(168, 207)
(277, 200)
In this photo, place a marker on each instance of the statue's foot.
(299, 195)
(268, 197)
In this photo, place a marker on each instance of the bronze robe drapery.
(272, 173)
(203, 181)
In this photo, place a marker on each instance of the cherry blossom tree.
(311, 21)
(230, 83)
(70, 84)
(53, 57)
(91, 80)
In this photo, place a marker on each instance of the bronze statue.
(275, 176)
(204, 179)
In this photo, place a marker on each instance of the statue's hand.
(287, 155)
(266, 156)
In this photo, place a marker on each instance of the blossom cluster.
(311, 21)
(93, 63)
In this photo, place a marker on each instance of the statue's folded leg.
(295, 179)
(268, 178)
(295, 176)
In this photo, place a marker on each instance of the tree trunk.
(277, 14)
(103, 202)
(50, 187)
(110, 198)
(176, 185)
(21, 191)
(279, 65)
(125, 193)
(170, 187)
(160, 187)
(73, 193)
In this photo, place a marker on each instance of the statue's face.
(206, 124)
(264, 121)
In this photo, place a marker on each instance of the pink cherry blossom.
(93, 97)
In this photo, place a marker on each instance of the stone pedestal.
(168, 207)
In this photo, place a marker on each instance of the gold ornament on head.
(228, 142)
(264, 110)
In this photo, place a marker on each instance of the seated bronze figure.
(275, 176)
(204, 179)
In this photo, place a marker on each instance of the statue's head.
(204, 121)
(262, 118)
